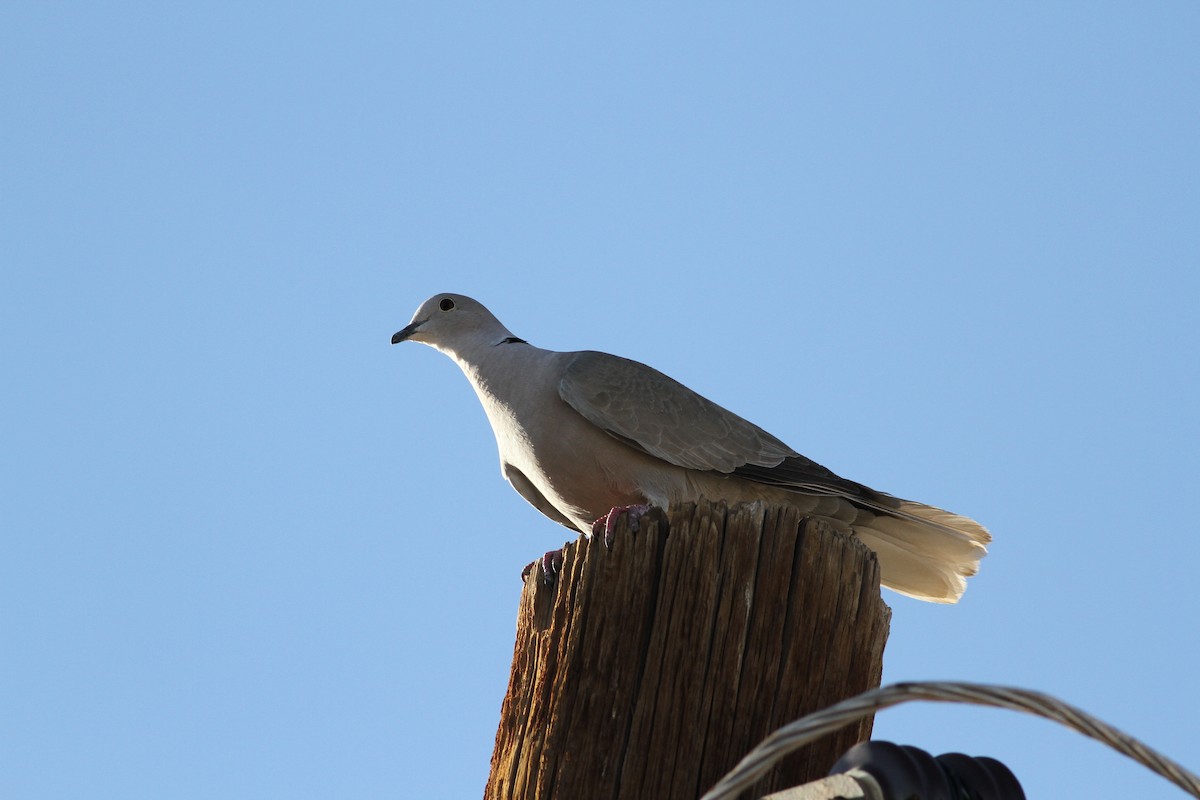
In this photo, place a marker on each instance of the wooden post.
(652, 667)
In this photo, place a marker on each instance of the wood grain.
(651, 667)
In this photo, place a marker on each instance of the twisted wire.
(807, 729)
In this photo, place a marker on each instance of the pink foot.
(551, 564)
(605, 525)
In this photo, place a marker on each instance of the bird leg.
(605, 525)
(551, 562)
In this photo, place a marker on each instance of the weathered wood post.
(652, 667)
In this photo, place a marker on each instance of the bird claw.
(551, 563)
(605, 525)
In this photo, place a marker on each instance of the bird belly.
(571, 477)
(580, 470)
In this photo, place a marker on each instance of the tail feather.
(924, 552)
(903, 571)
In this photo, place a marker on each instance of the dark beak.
(407, 331)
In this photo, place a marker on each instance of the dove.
(583, 436)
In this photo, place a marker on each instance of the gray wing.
(660, 416)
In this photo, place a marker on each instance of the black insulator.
(987, 777)
(901, 772)
(909, 773)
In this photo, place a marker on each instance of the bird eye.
(446, 304)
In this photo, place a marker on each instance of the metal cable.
(807, 729)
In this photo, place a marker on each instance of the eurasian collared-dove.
(581, 434)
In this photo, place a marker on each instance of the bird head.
(453, 324)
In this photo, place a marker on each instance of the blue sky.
(252, 550)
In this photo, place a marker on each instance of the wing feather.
(664, 418)
(660, 416)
